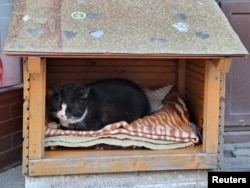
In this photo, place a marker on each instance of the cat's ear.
(84, 93)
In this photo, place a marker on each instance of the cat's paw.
(53, 125)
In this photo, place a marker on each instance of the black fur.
(107, 101)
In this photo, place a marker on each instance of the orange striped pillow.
(172, 120)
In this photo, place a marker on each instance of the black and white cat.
(91, 107)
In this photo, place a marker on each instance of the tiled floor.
(236, 158)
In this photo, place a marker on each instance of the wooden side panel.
(195, 80)
(181, 76)
(147, 73)
(204, 92)
(37, 108)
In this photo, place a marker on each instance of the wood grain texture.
(195, 83)
(211, 108)
(79, 161)
(223, 65)
(26, 96)
(37, 110)
(145, 72)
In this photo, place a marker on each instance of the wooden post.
(37, 82)
(223, 65)
(222, 117)
(211, 108)
(26, 96)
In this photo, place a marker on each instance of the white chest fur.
(66, 121)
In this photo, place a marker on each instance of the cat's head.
(69, 103)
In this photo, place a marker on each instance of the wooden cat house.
(188, 44)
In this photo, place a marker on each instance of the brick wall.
(11, 100)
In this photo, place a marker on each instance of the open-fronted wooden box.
(189, 45)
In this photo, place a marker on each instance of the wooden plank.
(211, 108)
(196, 62)
(74, 65)
(196, 115)
(194, 68)
(223, 65)
(195, 86)
(26, 97)
(147, 73)
(121, 161)
(181, 75)
(37, 110)
(195, 89)
(150, 83)
(195, 106)
(80, 152)
(100, 75)
(107, 62)
(115, 68)
(34, 65)
(195, 75)
(72, 166)
(193, 100)
(222, 117)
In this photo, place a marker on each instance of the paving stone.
(244, 152)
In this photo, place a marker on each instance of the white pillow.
(155, 97)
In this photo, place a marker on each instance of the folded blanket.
(167, 128)
(121, 140)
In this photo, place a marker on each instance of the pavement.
(236, 158)
(12, 178)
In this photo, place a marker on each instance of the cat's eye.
(57, 96)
